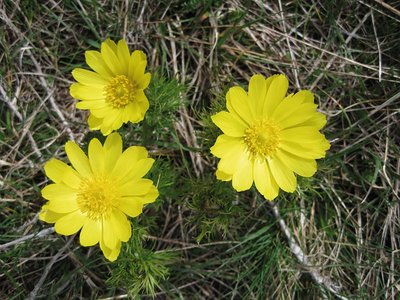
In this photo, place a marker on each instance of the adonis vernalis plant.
(98, 192)
(114, 92)
(268, 136)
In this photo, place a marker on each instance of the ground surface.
(202, 240)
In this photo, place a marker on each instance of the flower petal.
(128, 160)
(91, 232)
(96, 156)
(121, 225)
(123, 55)
(89, 78)
(109, 236)
(132, 206)
(275, 94)
(135, 188)
(54, 169)
(302, 166)
(94, 123)
(238, 103)
(282, 175)
(96, 63)
(70, 223)
(84, 92)
(223, 176)
(224, 144)
(264, 181)
(48, 215)
(242, 178)
(111, 59)
(229, 124)
(229, 162)
(110, 254)
(112, 150)
(257, 92)
(78, 159)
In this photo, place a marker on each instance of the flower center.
(262, 138)
(96, 197)
(120, 91)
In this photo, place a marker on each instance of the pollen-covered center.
(96, 197)
(262, 138)
(120, 91)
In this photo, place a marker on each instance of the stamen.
(262, 138)
(120, 91)
(96, 197)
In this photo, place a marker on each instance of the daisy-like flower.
(114, 91)
(98, 192)
(268, 138)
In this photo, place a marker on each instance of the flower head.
(98, 192)
(114, 91)
(268, 138)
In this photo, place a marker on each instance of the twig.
(23, 239)
(378, 45)
(46, 271)
(326, 282)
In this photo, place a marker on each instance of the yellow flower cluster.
(268, 137)
(97, 193)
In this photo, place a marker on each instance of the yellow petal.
(229, 162)
(84, 92)
(307, 151)
(275, 94)
(111, 59)
(123, 55)
(95, 61)
(131, 113)
(78, 159)
(109, 236)
(109, 119)
(303, 167)
(90, 233)
(242, 178)
(89, 78)
(135, 171)
(128, 160)
(55, 169)
(224, 144)
(229, 124)
(94, 123)
(150, 196)
(121, 225)
(132, 206)
(238, 103)
(58, 191)
(137, 64)
(48, 215)
(317, 120)
(96, 156)
(257, 92)
(264, 181)
(93, 104)
(291, 112)
(70, 223)
(144, 81)
(110, 43)
(223, 176)
(112, 150)
(135, 188)
(282, 175)
(110, 254)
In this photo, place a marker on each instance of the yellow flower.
(268, 137)
(98, 192)
(114, 91)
